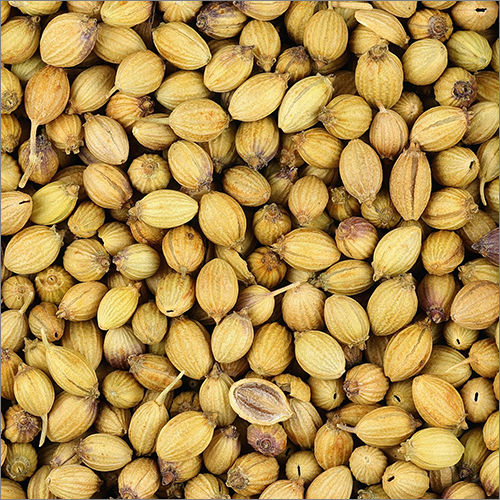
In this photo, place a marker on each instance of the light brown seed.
(259, 401)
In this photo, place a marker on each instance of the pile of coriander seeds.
(249, 249)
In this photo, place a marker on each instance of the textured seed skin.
(449, 208)
(32, 249)
(229, 68)
(333, 483)
(259, 401)
(364, 180)
(73, 480)
(436, 294)
(117, 306)
(263, 12)
(307, 249)
(405, 479)
(222, 219)
(251, 473)
(89, 90)
(325, 37)
(16, 211)
(410, 183)
(61, 424)
(346, 320)
(264, 39)
(384, 24)
(116, 452)
(487, 246)
(21, 38)
(446, 408)
(266, 232)
(217, 288)
(439, 128)
(247, 186)
(106, 139)
(300, 202)
(184, 334)
(179, 44)
(393, 425)
(178, 441)
(456, 87)
(198, 120)
(81, 301)
(473, 305)
(445, 450)
(143, 61)
(388, 261)
(117, 191)
(469, 50)
(245, 104)
(257, 142)
(125, 14)
(79, 32)
(375, 68)
(165, 208)
(414, 343)
(319, 354)
(302, 103)
(40, 107)
(70, 370)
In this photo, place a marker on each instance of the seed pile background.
(250, 249)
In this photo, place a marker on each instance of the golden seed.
(307, 249)
(433, 449)
(139, 478)
(303, 102)
(20, 38)
(90, 89)
(405, 479)
(187, 117)
(251, 473)
(469, 50)
(73, 481)
(414, 343)
(184, 335)
(325, 36)
(218, 21)
(364, 181)
(264, 40)
(185, 436)
(68, 39)
(335, 483)
(387, 258)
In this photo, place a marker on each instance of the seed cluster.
(250, 249)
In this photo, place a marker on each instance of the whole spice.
(35, 393)
(245, 232)
(104, 452)
(405, 479)
(259, 401)
(43, 106)
(177, 441)
(414, 343)
(410, 183)
(375, 69)
(333, 483)
(438, 402)
(385, 426)
(325, 37)
(73, 480)
(251, 473)
(446, 449)
(68, 39)
(363, 181)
